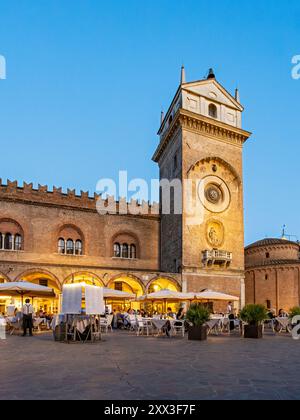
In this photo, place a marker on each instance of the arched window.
(117, 250)
(70, 247)
(78, 247)
(213, 111)
(61, 246)
(133, 252)
(11, 235)
(125, 245)
(18, 242)
(125, 251)
(8, 241)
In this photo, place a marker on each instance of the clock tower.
(201, 145)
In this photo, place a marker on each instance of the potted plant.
(294, 312)
(254, 315)
(197, 315)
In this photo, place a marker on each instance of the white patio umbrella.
(117, 294)
(23, 288)
(168, 295)
(211, 295)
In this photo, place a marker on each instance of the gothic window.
(70, 247)
(267, 255)
(117, 250)
(8, 241)
(11, 235)
(125, 251)
(213, 111)
(133, 252)
(78, 247)
(61, 246)
(125, 246)
(18, 242)
(71, 240)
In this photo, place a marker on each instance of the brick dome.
(271, 250)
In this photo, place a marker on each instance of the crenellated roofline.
(12, 192)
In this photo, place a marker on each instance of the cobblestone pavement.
(124, 366)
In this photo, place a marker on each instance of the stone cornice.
(200, 124)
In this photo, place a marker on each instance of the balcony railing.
(217, 257)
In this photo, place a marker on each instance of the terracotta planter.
(253, 331)
(198, 333)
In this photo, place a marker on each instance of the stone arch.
(84, 276)
(162, 281)
(134, 282)
(214, 160)
(39, 272)
(4, 277)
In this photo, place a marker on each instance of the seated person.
(181, 314)
(171, 314)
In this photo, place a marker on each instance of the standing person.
(229, 308)
(231, 316)
(27, 312)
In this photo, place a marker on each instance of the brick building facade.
(53, 237)
(273, 274)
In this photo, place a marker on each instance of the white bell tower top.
(207, 98)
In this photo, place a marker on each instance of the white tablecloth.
(284, 322)
(159, 323)
(213, 323)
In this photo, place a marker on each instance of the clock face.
(214, 194)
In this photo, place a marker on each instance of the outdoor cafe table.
(283, 323)
(213, 324)
(159, 324)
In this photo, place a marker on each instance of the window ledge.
(11, 250)
(69, 255)
(124, 259)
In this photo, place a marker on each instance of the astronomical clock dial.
(214, 194)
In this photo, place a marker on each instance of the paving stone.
(129, 367)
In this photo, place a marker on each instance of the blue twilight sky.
(86, 81)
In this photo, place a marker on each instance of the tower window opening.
(213, 111)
